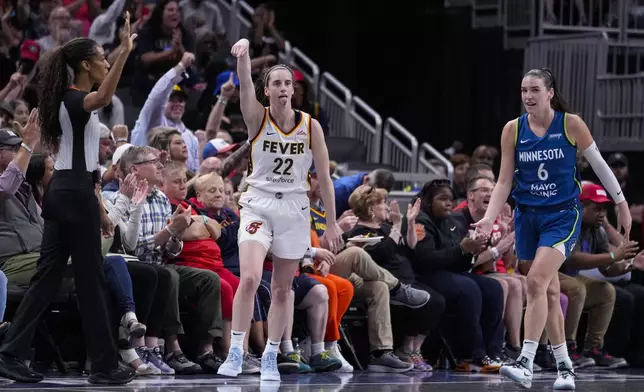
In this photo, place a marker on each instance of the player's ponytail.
(558, 102)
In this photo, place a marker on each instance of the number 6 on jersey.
(542, 173)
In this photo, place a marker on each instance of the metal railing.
(399, 147)
(441, 165)
(335, 99)
(487, 13)
(348, 116)
(576, 61)
(297, 59)
(518, 18)
(366, 126)
(620, 112)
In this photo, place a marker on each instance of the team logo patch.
(420, 231)
(301, 132)
(253, 227)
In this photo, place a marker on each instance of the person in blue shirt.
(539, 155)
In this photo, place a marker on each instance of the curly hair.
(55, 79)
(365, 197)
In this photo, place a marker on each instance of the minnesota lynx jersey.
(279, 161)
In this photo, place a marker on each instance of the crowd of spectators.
(170, 187)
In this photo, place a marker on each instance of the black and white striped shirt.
(75, 122)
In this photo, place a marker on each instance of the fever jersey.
(279, 161)
(545, 167)
(318, 219)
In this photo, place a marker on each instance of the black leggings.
(420, 321)
(151, 286)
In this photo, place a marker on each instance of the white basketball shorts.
(280, 222)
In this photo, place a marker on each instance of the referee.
(70, 128)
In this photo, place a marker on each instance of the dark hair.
(429, 191)
(35, 173)
(262, 82)
(475, 169)
(55, 80)
(382, 178)
(557, 102)
(155, 23)
(17, 102)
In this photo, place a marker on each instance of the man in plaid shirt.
(160, 240)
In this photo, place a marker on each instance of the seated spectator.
(585, 293)
(169, 139)
(61, 30)
(493, 259)
(473, 171)
(210, 165)
(39, 172)
(164, 107)
(159, 241)
(263, 35)
(461, 163)
(622, 337)
(209, 201)
(202, 17)
(369, 206)
(160, 45)
(20, 111)
(484, 154)
(442, 259)
(344, 186)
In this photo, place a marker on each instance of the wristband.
(495, 253)
(205, 219)
(169, 230)
(612, 258)
(313, 252)
(26, 147)
(222, 101)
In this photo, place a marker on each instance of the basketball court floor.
(590, 380)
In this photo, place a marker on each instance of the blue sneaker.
(233, 365)
(303, 367)
(269, 371)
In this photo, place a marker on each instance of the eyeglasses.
(483, 189)
(154, 161)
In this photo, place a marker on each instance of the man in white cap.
(111, 178)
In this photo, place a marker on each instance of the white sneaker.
(346, 366)
(518, 372)
(269, 371)
(565, 377)
(233, 364)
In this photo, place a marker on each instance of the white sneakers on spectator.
(234, 363)
(346, 366)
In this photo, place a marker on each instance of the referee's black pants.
(72, 227)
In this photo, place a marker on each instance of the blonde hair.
(365, 197)
(200, 182)
(172, 167)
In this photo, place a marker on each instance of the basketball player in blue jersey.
(275, 211)
(539, 155)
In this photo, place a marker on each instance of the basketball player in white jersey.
(274, 211)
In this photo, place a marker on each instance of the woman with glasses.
(71, 210)
(539, 155)
(377, 219)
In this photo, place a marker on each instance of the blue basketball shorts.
(554, 227)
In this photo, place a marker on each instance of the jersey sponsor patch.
(253, 227)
